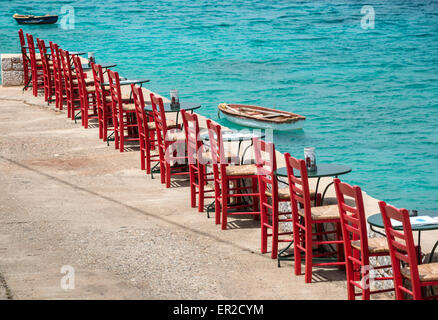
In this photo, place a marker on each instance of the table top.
(232, 135)
(377, 221)
(322, 170)
(128, 82)
(86, 66)
(168, 108)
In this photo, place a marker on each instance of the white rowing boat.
(261, 117)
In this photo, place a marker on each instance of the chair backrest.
(32, 54)
(80, 77)
(100, 91)
(298, 185)
(401, 248)
(194, 144)
(142, 118)
(353, 222)
(160, 123)
(66, 70)
(266, 162)
(23, 49)
(44, 59)
(21, 36)
(216, 143)
(55, 60)
(116, 92)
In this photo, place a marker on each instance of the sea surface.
(370, 95)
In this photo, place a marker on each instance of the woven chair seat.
(229, 157)
(88, 82)
(169, 123)
(375, 245)
(129, 107)
(284, 193)
(241, 170)
(124, 98)
(323, 212)
(427, 272)
(176, 136)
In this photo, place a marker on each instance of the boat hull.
(264, 125)
(37, 20)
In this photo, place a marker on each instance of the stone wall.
(12, 70)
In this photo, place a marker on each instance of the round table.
(322, 170)
(168, 108)
(234, 135)
(86, 66)
(376, 221)
(128, 82)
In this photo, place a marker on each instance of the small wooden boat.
(261, 117)
(29, 19)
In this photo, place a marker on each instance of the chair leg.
(163, 172)
(274, 240)
(142, 155)
(264, 229)
(148, 156)
(121, 133)
(168, 174)
(217, 202)
(224, 203)
(297, 250)
(201, 181)
(192, 187)
(308, 253)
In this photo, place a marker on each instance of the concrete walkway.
(66, 199)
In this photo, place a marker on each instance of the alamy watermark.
(68, 281)
(367, 21)
(68, 17)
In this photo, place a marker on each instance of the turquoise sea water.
(370, 96)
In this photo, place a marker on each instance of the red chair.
(198, 159)
(404, 256)
(358, 247)
(60, 96)
(308, 219)
(87, 93)
(36, 67)
(26, 61)
(71, 89)
(104, 103)
(224, 174)
(146, 131)
(123, 114)
(271, 217)
(171, 144)
(48, 74)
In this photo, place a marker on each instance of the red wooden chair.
(198, 159)
(146, 131)
(60, 96)
(224, 174)
(171, 144)
(266, 163)
(123, 114)
(404, 256)
(71, 90)
(307, 219)
(36, 67)
(26, 61)
(104, 103)
(87, 93)
(48, 74)
(358, 247)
